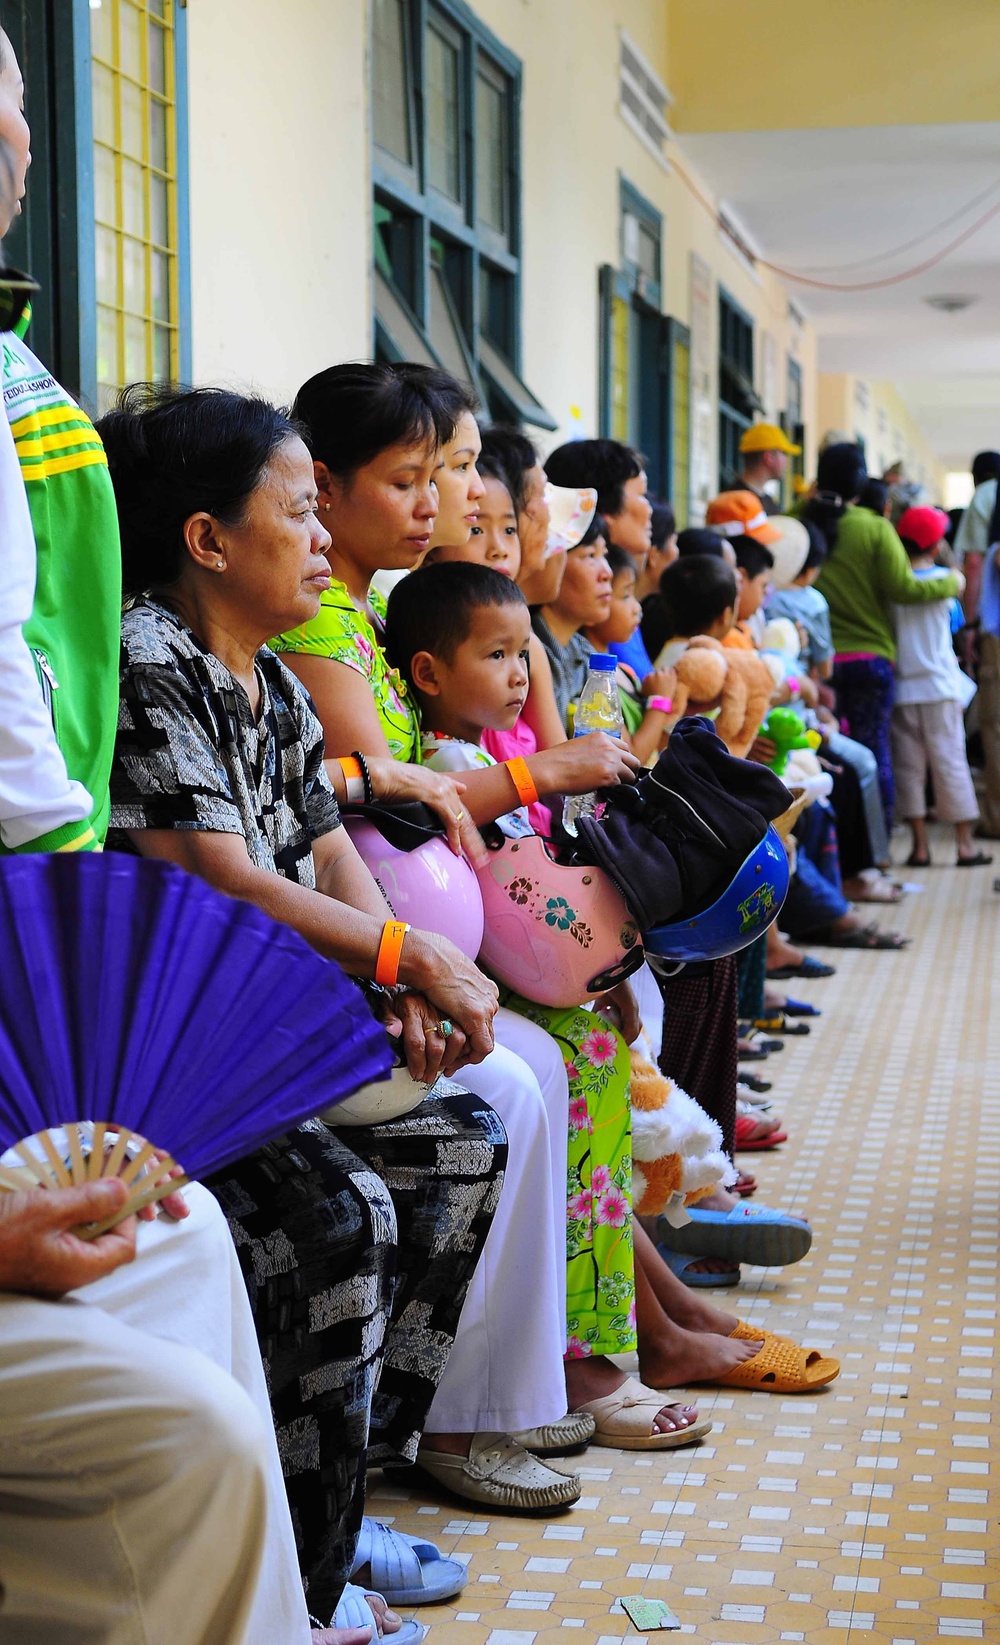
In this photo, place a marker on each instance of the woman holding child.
(372, 531)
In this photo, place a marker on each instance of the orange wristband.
(350, 767)
(389, 950)
(522, 779)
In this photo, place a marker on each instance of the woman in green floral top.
(379, 502)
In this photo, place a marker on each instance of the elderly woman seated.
(357, 1247)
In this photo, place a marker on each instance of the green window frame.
(645, 356)
(56, 238)
(793, 424)
(446, 176)
(738, 400)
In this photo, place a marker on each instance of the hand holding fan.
(145, 1018)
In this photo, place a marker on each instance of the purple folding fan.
(146, 1019)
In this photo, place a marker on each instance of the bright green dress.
(600, 1277)
(344, 634)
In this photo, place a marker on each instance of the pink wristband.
(664, 705)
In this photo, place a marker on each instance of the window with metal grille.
(738, 399)
(447, 192)
(134, 91)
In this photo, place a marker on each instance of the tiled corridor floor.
(865, 1512)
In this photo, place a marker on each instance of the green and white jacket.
(60, 608)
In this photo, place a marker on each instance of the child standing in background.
(932, 694)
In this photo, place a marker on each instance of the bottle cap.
(602, 662)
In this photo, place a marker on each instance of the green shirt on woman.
(346, 635)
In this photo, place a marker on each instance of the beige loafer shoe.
(571, 1433)
(625, 1420)
(501, 1473)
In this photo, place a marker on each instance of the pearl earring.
(327, 507)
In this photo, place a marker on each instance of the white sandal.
(625, 1420)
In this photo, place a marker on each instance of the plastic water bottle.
(599, 709)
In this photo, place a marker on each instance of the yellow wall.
(874, 411)
(574, 146)
(280, 190)
(281, 196)
(831, 63)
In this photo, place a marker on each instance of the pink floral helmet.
(559, 936)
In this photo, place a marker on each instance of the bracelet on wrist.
(662, 705)
(353, 778)
(522, 779)
(390, 949)
(366, 776)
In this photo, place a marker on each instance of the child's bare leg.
(918, 829)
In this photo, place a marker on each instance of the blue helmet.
(747, 907)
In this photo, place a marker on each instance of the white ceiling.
(817, 201)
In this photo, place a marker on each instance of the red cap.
(923, 526)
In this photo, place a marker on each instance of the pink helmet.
(559, 936)
(423, 880)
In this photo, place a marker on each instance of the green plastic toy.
(785, 729)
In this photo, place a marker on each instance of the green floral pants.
(600, 1289)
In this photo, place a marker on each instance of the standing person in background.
(58, 656)
(976, 552)
(765, 449)
(865, 574)
(932, 695)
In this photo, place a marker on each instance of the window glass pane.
(101, 39)
(396, 243)
(107, 266)
(445, 331)
(390, 79)
(161, 355)
(491, 152)
(131, 119)
(105, 208)
(134, 275)
(159, 269)
(103, 92)
(133, 202)
(649, 251)
(159, 208)
(443, 147)
(157, 58)
(496, 307)
(129, 39)
(108, 371)
(157, 134)
(135, 349)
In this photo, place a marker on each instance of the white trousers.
(505, 1370)
(141, 1497)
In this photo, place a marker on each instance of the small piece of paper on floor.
(649, 1613)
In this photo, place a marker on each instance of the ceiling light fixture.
(950, 302)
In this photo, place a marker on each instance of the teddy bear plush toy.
(734, 682)
(676, 1148)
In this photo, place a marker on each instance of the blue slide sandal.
(680, 1265)
(405, 1570)
(747, 1233)
(353, 1611)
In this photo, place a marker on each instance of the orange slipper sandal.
(779, 1366)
